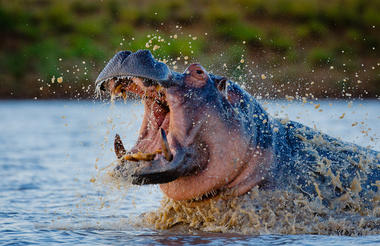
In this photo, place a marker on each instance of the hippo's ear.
(221, 85)
(224, 87)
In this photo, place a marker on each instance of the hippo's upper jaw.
(126, 64)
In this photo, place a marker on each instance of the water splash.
(266, 212)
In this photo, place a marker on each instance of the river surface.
(52, 154)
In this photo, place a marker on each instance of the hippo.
(203, 134)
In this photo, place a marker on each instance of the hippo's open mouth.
(160, 159)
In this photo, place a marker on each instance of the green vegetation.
(320, 57)
(295, 41)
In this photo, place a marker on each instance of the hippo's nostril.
(199, 71)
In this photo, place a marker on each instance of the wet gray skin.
(214, 135)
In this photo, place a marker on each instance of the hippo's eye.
(199, 71)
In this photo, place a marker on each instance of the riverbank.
(304, 48)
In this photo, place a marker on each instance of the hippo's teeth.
(118, 90)
(124, 95)
(119, 87)
(165, 146)
(119, 147)
(139, 157)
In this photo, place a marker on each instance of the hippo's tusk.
(119, 147)
(165, 146)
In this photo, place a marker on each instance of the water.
(50, 151)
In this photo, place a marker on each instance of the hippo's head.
(192, 140)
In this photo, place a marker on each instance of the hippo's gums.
(202, 134)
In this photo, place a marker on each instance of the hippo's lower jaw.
(158, 167)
